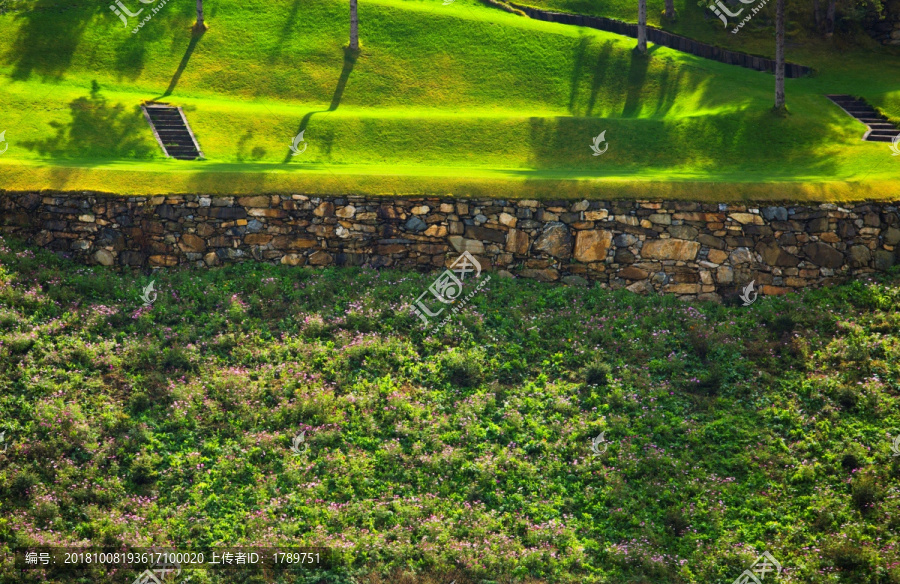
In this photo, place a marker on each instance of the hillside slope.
(460, 94)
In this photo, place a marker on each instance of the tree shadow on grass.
(48, 38)
(349, 62)
(637, 77)
(195, 39)
(98, 130)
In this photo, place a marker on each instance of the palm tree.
(200, 25)
(354, 27)
(642, 27)
(779, 55)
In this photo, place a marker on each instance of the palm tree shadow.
(195, 38)
(349, 62)
(637, 76)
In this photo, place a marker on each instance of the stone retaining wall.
(695, 249)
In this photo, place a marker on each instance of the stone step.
(871, 138)
(879, 128)
(172, 131)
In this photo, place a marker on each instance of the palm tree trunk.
(818, 14)
(829, 18)
(670, 10)
(642, 27)
(200, 14)
(354, 27)
(779, 55)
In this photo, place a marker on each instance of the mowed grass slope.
(458, 98)
(459, 455)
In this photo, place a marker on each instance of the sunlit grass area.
(460, 98)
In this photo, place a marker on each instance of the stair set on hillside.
(880, 129)
(172, 131)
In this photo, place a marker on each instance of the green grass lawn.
(463, 454)
(460, 98)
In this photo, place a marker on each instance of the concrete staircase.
(172, 131)
(880, 129)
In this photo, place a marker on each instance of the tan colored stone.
(211, 259)
(325, 209)
(320, 258)
(470, 245)
(683, 288)
(346, 212)
(517, 242)
(256, 201)
(829, 237)
(591, 246)
(706, 217)
(774, 290)
(436, 231)
(163, 260)
(725, 275)
(598, 215)
(508, 220)
(266, 213)
(103, 257)
(302, 243)
(446, 208)
(670, 249)
(542, 275)
(421, 210)
(746, 218)
(632, 273)
(293, 259)
(257, 238)
(717, 256)
(660, 218)
(192, 243)
(639, 287)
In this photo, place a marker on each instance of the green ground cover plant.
(463, 454)
(461, 98)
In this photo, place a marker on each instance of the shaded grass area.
(463, 454)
